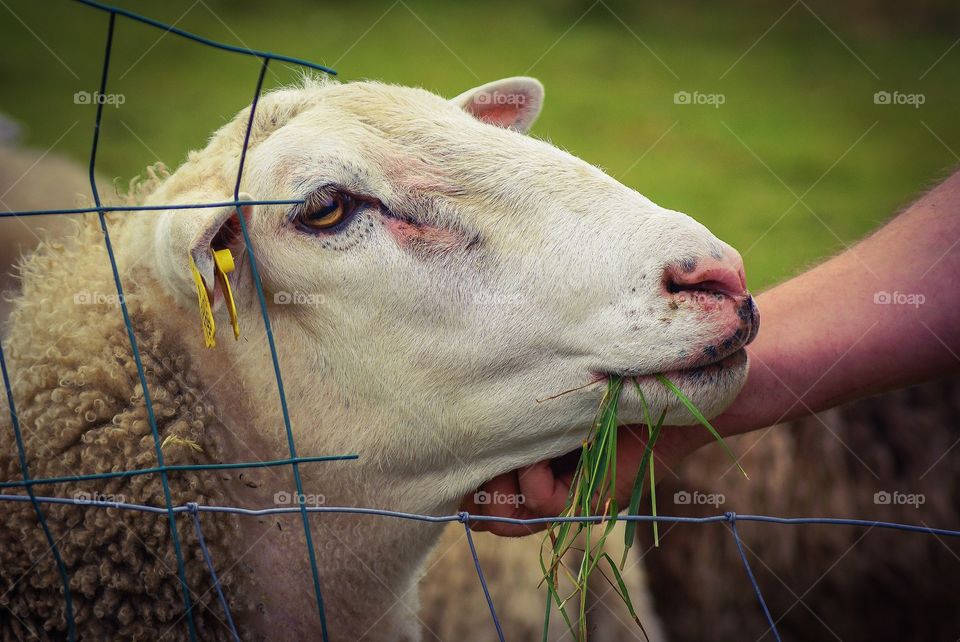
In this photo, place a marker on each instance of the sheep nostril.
(723, 277)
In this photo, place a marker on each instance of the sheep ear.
(512, 102)
(196, 233)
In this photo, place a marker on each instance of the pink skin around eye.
(418, 236)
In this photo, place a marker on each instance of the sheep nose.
(709, 275)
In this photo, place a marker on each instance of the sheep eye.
(329, 211)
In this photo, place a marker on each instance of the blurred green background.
(796, 162)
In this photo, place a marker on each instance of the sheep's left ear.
(194, 235)
(512, 102)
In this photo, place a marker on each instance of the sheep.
(443, 272)
(39, 181)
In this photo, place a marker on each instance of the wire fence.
(193, 509)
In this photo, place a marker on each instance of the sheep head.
(442, 273)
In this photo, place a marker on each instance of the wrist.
(765, 397)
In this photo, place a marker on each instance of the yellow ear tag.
(206, 312)
(223, 259)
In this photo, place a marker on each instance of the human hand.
(545, 485)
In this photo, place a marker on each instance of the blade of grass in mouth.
(593, 490)
(703, 420)
(645, 462)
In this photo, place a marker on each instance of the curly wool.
(81, 410)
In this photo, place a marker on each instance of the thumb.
(544, 493)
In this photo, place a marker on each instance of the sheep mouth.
(732, 362)
(726, 354)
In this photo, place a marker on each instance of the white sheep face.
(475, 271)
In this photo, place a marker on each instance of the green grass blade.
(603, 445)
(646, 460)
(546, 617)
(593, 493)
(552, 577)
(703, 420)
(634, 508)
(624, 593)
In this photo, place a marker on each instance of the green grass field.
(798, 118)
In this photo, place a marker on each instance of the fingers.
(478, 503)
(510, 495)
(537, 491)
(487, 502)
(544, 495)
(507, 530)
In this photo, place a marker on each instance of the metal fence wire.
(294, 461)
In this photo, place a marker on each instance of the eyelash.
(327, 202)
